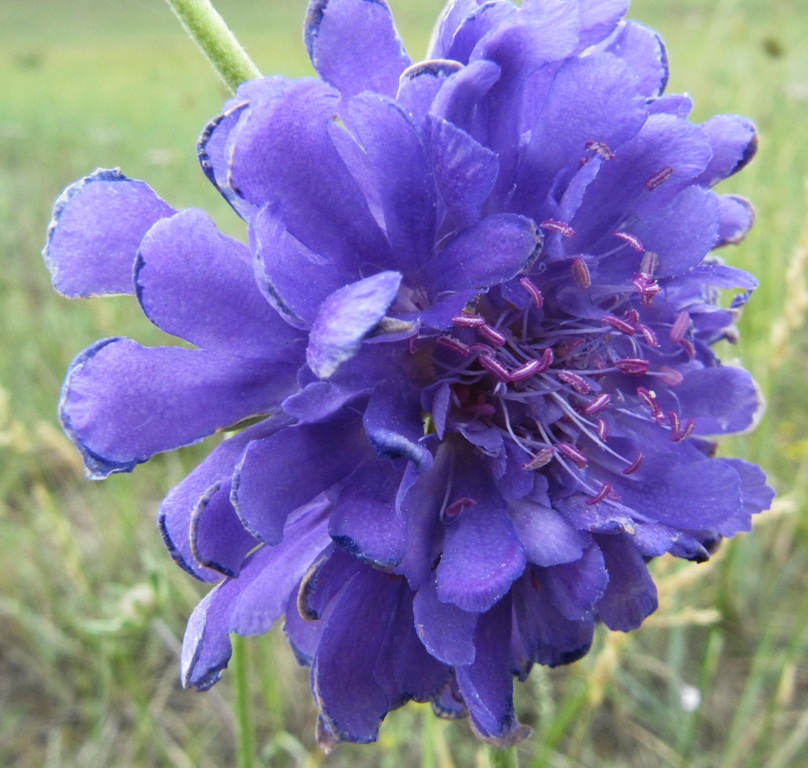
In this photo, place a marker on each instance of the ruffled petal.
(198, 284)
(643, 50)
(122, 403)
(734, 141)
(354, 45)
(96, 230)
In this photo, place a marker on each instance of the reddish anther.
(635, 465)
(603, 430)
(580, 273)
(649, 397)
(680, 326)
(688, 347)
(468, 321)
(525, 372)
(558, 226)
(573, 454)
(455, 345)
(456, 507)
(633, 366)
(541, 459)
(491, 335)
(601, 149)
(670, 376)
(492, 365)
(618, 324)
(659, 178)
(547, 359)
(575, 381)
(597, 405)
(632, 317)
(646, 287)
(532, 289)
(649, 336)
(633, 241)
(604, 491)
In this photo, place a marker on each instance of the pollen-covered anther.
(578, 383)
(635, 465)
(468, 321)
(618, 325)
(646, 286)
(455, 345)
(633, 366)
(533, 291)
(659, 178)
(649, 397)
(493, 366)
(573, 454)
(601, 149)
(558, 226)
(454, 509)
(542, 458)
(491, 335)
(580, 273)
(597, 405)
(678, 432)
(648, 334)
(633, 241)
(602, 495)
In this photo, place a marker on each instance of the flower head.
(475, 319)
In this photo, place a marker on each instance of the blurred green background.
(92, 609)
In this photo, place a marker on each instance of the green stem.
(503, 758)
(243, 712)
(217, 42)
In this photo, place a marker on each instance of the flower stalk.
(503, 758)
(217, 41)
(244, 722)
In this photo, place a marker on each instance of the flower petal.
(333, 29)
(643, 50)
(96, 229)
(446, 631)
(346, 318)
(734, 141)
(736, 217)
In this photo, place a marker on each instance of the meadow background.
(92, 609)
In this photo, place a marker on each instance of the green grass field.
(92, 609)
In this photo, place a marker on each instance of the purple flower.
(475, 321)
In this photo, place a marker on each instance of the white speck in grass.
(689, 698)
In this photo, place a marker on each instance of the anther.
(468, 321)
(658, 178)
(684, 433)
(635, 465)
(547, 359)
(618, 325)
(688, 347)
(649, 264)
(680, 326)
(492, 365)
(649, 336)
(580, 273)
(597, 405)
(573, 454)
(456, 507)
(601, 149)
(633, 241)
(524, 372)
(575, 381)
(632, 317)
(605, 490)
(670, 376)
(558, 226)
(541, 459)
(453, 344)
(532, 289)
(633, 366)
(648, 396)
(646, 286)
(491, 335)
(603, 430)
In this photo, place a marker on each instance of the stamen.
(580, 273)
(575, 381)
(603, 430)
(605, 490)
(633, 366)
(541, 459)
(646, 286)
(680, 326)
(658, 178)
(631, 240)
(525, 372)
(478, 348)
(468, 321)
(649, 264)
(456, 507)
(495, 367)
(532, 289)
(492, 335)
(670, 376)
(686, 432)
(547, 359)
(649, 336)
(558, 226)
(601, 149)
(455, 345)
(635, 466)
(573, 454)
(597, 405)
(632, 317)
(688, 347)
(618, 325)
(649, 397)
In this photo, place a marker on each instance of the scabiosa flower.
(472, 332)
